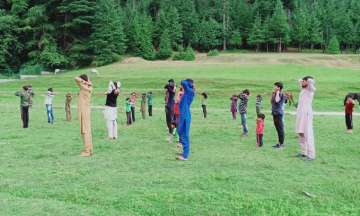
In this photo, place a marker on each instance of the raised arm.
(311, 85)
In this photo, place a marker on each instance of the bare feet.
(181, 158)
(85, 154)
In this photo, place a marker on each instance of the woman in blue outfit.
(185, 117)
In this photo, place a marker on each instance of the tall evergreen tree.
(278, 26)
(165, 50)
(300, 28)
(77, 19)
(108, 38)
(257, 36)
(188, 19)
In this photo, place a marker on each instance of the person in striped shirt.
(244, 98)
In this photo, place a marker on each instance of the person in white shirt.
(49, 108)
(304, 118)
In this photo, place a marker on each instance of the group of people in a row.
(304, 125)
(178, 116)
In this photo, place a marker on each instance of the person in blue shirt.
(185, 117)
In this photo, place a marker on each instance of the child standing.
(48, 104)
(185, 117)
(244, 97)
(150, 102)
(133, 104)
(143, 105)
(68, 106)
(349, 108)
(260, 124)
(233, 106)
(204, 104)
(258, 104)
(128, 111)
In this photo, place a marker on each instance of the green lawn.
(42, 174)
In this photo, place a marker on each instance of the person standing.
(149, 102)
(143, 106)
(128, 111)
(25, 102)
(185, 117)
(244, 98)
(258, 104)
(304, 118)
(68, 106)
(277, 111)
(84, 113)
(170, 90)
(233, 106)
(204, 103)
(110, 111)
(49, 107)
(349, 108)
(133, 105)
(260, 124)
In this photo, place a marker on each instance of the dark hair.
(115, 84)
(246, 91)
(127, 99)
(258, 96)
(143, 94)
(205, 95)
(261, 115)
(279, 84)
(307, 77)
(50, 89)
(25, 88)
(171, 81)
(84, 77)
(149, 92)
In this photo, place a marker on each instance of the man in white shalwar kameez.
(304, 118)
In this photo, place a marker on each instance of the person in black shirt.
(110, 112)
(170, 90)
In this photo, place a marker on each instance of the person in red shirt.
(260, 124)
(349, 108)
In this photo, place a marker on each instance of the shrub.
(30, 69)
(334, 46)
(189, 54)
(214, 52)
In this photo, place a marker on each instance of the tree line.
(76, 33)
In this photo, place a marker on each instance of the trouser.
(243, 123)
(133, 114)
(234, 115)
(150, 110)
(25, 116)
(50, 113)
(87, 140)
(184, 135)
(258, 110)
(68, 113)
(348, 121)
(307, 146)
(204, 110)
(259, 140)
(169, 117)
(112, 128)
(143, 115)
(128, 118)
(279, 125)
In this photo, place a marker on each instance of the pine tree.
(334, 46)
(278, 26)
(168, 19)
(344, 30)
(209, 35)
(10, 45)
(256, 36)
(188, 19)
(107, 39)
(315, 31)
(143, 37)
(165, 51)
(236, 40)
(300, 28)
(76, 28)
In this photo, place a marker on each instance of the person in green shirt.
(25, 102)
(150, 102)
(128, 111)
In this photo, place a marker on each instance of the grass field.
(42, 174)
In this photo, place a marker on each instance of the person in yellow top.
(84, 113)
